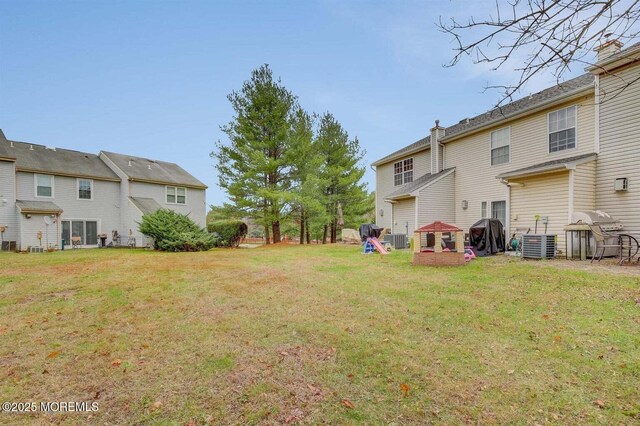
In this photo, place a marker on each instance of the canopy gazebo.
(429, 248)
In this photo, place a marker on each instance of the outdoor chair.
(626, 245)
(76, 242)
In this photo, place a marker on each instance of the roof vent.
(129, 163)
(149, 166)
(52, 148)
(11, 145)
(30, 147)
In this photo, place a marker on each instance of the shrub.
(173, 231)
(230, 232)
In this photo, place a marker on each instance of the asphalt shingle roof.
(426, 142)
(535, 100)
(146, 170)
(417, 184)
(497, 114)
(547, 165)
(146, 205)
(39, 158)
(38, 206)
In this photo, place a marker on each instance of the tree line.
(292, 172)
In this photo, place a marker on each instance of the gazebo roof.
(438, 226)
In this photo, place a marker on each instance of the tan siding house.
(619, 154)
(548, 155)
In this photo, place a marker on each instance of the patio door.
(87, 230)
(499, 211)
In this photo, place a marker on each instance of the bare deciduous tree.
(544, 35)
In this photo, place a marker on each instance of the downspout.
(596, 139)
(571, 187)
(415, 218)
(375, 213)
(507, 213)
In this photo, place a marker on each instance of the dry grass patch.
(316, 334)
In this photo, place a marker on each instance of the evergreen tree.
(253, 168)
(340, 175)
(307, 186)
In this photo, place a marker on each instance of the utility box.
(539, 246)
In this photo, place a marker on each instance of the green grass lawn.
(316, 334)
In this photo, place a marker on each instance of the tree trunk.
(324, 234)
(306, 225)
(302, 226)
(266, 234)
(333, 231)
(275, 226)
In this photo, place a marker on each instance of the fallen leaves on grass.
(347, 403)
(295, 416)
(116, 362)
(156, 405)
(599, 403)
(405, 389)
(557, 338)
(53, 354)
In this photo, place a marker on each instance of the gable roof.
(540, 99)
(548, 166)
(145, 170)
(407, 150)
(145, 205)
(423, 181)
(63, 162)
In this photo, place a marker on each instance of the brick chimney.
(608, 48)
(436, 150)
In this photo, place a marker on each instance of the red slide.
(379, 247)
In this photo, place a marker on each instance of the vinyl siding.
(404, 211)
(8, 215)
(31, 227)
(620, 148)
(584, 187)
(436, 202)
(475, 179)
(104, 206)
(545, 195)
(384, 183)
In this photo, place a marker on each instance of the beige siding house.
(548, 155)
(49, 194)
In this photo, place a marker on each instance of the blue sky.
(150, 78)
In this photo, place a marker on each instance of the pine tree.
(253, 168)
(340, 175)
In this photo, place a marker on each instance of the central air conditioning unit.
(36, 249)
(538, 246)
(397, 241)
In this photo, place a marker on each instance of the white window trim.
(35, 185)
(576, 127)
(491, 149)
(393, 170)
(78, 190)
(176, 202)
(68, 243)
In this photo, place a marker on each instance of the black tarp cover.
(369, 230)
(486, 236)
